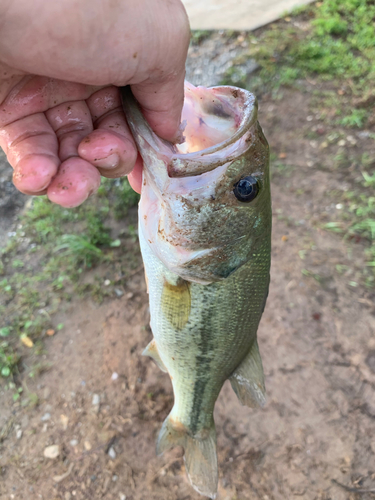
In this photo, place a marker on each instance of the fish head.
(205, 204)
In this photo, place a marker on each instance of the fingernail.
(111, 161)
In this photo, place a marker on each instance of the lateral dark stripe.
(203, 360)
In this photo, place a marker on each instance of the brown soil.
(315, 438)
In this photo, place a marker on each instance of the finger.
(71, 122)
(135, 176)
(32, 149)
(161, 104)
(110, 147)
(75, 181)
(37, 94)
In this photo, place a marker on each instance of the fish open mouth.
(218, 129)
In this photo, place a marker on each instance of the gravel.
(52, 451)
(209, 61)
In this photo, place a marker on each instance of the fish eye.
(246, 189)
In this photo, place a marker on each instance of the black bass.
(205, 236)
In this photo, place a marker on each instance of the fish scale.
(220, 330)
(206, 249)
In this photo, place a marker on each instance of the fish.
(205, 237)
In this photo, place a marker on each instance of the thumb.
(161, 104)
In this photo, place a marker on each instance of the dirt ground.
(11, 200)
(102, 403)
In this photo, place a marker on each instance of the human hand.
(61, 120)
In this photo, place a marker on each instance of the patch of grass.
(342, 41)
(334, 39)
(124, 198)
(281, 169)
(8, 358)
(235, 75)
(46, 260)
(44, 220)
(364, 211)
(357, 221)
(335, 227)
(355, 119)
(197, 36)
(80, 249)
(369, 179)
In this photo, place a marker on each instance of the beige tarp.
(236, 14)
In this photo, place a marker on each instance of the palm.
(60, 136)
(66, 131)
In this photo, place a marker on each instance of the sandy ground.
(314, 439)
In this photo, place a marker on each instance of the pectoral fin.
(176, 303)
(152, 351)
(248, 380)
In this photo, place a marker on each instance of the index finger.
(161, 104)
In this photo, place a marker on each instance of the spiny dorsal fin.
(152, 351)
(248, 380)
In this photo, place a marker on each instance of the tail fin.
(200, 454)
(201, 463)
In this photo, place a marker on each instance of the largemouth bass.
(205, 232)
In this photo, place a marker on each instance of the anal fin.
(248, 379)
(152, 351)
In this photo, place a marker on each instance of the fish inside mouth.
(211, 117)
(217, 124)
